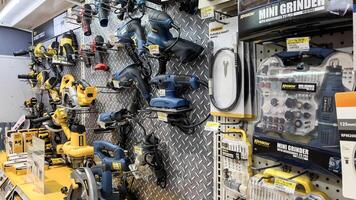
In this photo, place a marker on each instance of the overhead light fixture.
(16, 10)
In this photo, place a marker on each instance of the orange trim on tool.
(345, 99)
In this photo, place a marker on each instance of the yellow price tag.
(138, 150)
(298, 44)
(212, 126)
(154, 49)
(285, 185)
(207, 12)
(116, 166)
(162, 116)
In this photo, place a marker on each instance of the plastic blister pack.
(297, 104)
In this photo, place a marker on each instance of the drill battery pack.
(297, 107)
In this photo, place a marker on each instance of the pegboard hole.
(327, 188)
(327, 179)
(317, 185)
(266, 164)
(337, 190)
(337, 181)
(342, 42)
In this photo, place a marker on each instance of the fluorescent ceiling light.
(16, 10)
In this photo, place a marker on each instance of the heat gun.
(172, 85)
(102, 9)
(129, 76)
(97, 47)
(85, 18)
(160, 35)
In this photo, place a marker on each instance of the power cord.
(154, 158)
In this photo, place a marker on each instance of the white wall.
(13, 92)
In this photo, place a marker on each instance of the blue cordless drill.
(171, 85)
(113, 159)
(160, 35)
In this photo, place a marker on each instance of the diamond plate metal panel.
(188, 158)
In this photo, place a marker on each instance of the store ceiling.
(46, 11)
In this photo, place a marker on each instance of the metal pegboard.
(329, 184)
(188, 158)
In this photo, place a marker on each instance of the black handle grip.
(41, 119)
(31, 117)
(20, 53)
(26, 76)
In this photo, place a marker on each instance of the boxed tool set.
(178, 100)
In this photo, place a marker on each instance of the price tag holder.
(117, 166)
(212, 126)
(285, 185)
(162, 93)
(154, 49)
(138, 150)
(298, 44)
(116, 84)
(162, 116)
(207, 12)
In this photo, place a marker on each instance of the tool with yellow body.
(67, 53)
(75, 151)
(76, 94)
(277, 184)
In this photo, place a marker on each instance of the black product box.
(327, 162)
(260, 19)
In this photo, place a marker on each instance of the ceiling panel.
(48, 10)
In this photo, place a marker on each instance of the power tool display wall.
(188, 158)
(331, 185)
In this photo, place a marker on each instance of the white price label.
(212, 126)
(154, 49)
(162, 116)
(116, 84)
(298, 44)
(207, 12)
(162, 93)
